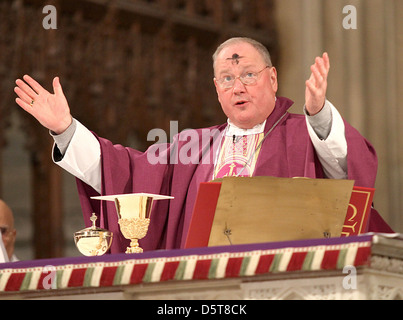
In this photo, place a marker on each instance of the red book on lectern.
(358, 211)
(203, 215)
(356, 221)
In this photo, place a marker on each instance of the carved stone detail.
(387, 264)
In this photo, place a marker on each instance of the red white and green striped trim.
(192, 267)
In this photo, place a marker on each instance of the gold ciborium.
(134, 213)
(93, 241)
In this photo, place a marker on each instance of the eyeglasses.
(247, 78)
(4, 230)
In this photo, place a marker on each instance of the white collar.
(233, 130)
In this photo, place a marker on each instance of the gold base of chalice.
(134, 229)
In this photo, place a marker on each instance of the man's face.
(8, 231)
(245, 105)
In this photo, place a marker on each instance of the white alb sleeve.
(83, 157)
(332, 151)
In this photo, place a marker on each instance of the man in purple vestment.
(318, 144)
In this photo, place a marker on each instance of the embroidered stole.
(237, 153)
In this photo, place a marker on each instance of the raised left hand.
(316, 86)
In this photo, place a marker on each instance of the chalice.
(134, 214)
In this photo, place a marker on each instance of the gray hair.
(257, 45)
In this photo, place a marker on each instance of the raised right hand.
(51, 110)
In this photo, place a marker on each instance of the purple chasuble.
(286, 152)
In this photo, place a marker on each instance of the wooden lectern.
(269, 209)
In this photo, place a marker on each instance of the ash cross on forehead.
(235, 58)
